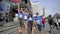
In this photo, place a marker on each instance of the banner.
(15, 0)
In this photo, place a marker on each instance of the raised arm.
(43, 11)
(18, 6)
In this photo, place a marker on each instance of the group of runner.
(30, 21)
(53, 22)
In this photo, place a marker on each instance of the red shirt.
(43, 20)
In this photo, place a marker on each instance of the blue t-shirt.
(19, 14)
(38, 20)
(25, 16)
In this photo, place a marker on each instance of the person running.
(30, 22)
(50, 22)
(20, 19)
(25, 17)
(56, 24)
(43, 22)
(38, 21)
(59, 22)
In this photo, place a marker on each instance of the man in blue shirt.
(38, 21)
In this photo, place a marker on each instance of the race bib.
(20, 16)
(30, 18)
(25, 17)
(38, 21)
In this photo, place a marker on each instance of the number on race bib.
(25, 17)
(30, 18)
(20, 16)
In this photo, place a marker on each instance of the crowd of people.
(30, 21)
(53, 22)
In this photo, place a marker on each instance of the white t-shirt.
(30, 18)
(56, 21)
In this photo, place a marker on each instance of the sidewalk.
(10, 24)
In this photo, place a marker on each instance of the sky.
(52, 6)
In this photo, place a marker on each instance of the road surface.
(12, 28)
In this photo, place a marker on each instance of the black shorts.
(39, 27)
(21, 22)
(59, 23)
(25, 20)
(30, 24)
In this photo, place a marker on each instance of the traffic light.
(0, 0)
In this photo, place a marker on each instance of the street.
(12, 28)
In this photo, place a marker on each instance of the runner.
(38, 21)
(50, 21)
(25, 14)
(43, 22)
(30, 22)
(20, 19)
(56, 23)
(59, 22)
